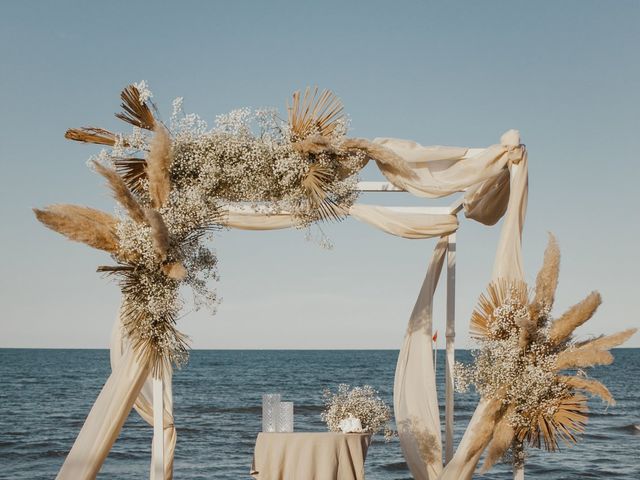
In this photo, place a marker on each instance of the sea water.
(45, 396)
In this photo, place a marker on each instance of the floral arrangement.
(361, 403)
(522, 358)
(174, 182)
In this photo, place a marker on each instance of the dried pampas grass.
(175, 270)
(121, 192)
(159, 233)
(386, 158)
(158, 165)
(547, 279)
(503, 435)
(594, 387)
(582, 357)
(81, 224)
(563, 327)
(610, 341)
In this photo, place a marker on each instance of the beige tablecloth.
(310, 456)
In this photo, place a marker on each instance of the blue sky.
(566, 74)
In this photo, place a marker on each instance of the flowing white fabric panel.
(415, 400)
(403, 224)
(144, 402)
(105, 420)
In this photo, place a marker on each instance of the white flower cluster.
(362, 403)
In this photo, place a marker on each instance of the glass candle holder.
(270, 412)
(285, 417)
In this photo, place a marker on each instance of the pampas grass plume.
(547, 279)
(564, 326)
(121, 192)
(159, 233)
(158, 164)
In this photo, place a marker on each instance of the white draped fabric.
(494, 181)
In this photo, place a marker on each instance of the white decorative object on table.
(270, 411)
(285, 417)
(350, 424)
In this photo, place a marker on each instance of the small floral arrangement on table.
(356, 410)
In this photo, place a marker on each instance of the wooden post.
(157, 468)
(450, 352)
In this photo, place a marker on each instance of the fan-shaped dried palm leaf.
(502, 439)
(568, 421)
(316, 183)
(547, 279)
(121, 192)
(136, 112)
(495, 296)
(594, 387)
(133, 172)
(81, 224)
(563, 327)
(95, 135)
(313, 113)
(158, 165)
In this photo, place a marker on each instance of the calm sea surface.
(46, 394)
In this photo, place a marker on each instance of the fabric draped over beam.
(494, 180)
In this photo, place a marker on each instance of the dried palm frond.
(133, 172)
(563, 327)
(547, 279)
(136, 112)
(568, 421)
(95, 135)
(610, 341)
(158, 165)
(159, 233)
(81, 224)
(121, 192)
(502, 439)
(582, 357)
(316, 184)
(594, 387)
(313, 113)
(387, 159)
(497, 293)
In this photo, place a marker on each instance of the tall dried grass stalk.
(313, 113)
(159, 233)
(81, 224)
(158, 165)
(547, 279)
(594, 387)
(563, 327)
(121, 192)
(503, 435)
